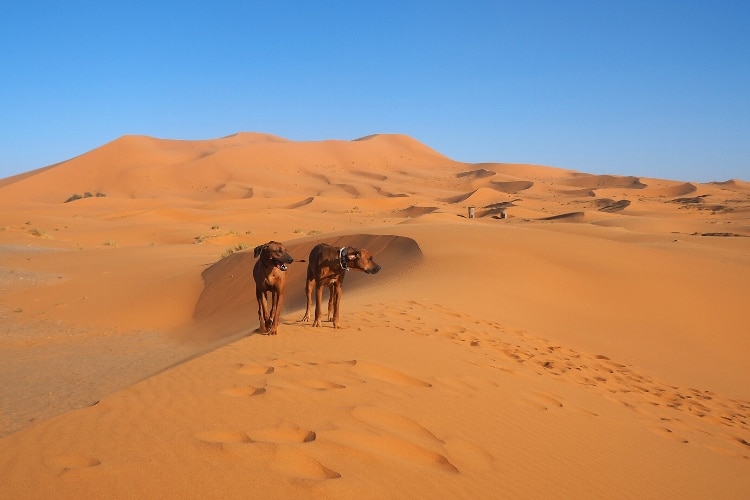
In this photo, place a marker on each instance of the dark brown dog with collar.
(327, 266)
(270, 276)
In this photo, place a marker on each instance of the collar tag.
(342, 259)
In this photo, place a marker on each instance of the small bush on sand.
(236, 248)
(87, 194)
(40, 233)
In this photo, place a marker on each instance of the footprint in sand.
(243, 392)
(282, 434)
(252, 369)
(542, 401)
(319, 384)
(64, 463)
(394, 423)
(668, 430)
(391, 448)
(705, 418)
(474, 456)
(299, 465)
(223, 437)
(386, 374)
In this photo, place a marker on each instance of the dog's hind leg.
(318, 300)
(331, 294)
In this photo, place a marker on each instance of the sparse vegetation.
(111, 243)
(302, 231)
(204, 237)
(40, 233)
(87, 194)
(237, 248)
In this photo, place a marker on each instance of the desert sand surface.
(583, 336)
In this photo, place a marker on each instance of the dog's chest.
(330, 278)
(274, 278)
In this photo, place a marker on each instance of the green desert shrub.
(87, 194)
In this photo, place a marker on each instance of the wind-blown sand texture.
(584, 336)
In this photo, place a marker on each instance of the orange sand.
(593, 343)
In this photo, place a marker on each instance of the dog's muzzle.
(282, 265)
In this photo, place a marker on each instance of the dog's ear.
(354, 256)
(257, 250)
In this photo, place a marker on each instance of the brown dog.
(270, 276)
(327, 266)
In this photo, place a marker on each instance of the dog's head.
(273, 254)
(360, 258)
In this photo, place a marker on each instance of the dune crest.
(675, 190)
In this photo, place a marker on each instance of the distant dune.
(582, 336)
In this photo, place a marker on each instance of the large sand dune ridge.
(584, 335)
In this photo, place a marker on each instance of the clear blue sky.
(648, 88)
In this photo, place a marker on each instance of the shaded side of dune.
(476, 174)
(605, 181)
(302, 203)
(227, 304)
(496, 209)
(614, 206)
(414, 211)
(490, 191)
(511, 187)
(567, 217)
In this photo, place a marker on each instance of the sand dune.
(568, 217)
(605, 181)
(512, 187)
(592, 343)
(671, 191)
(482, 196)
(479, 173)
(734, 184)
(229, 291)
(414, 211)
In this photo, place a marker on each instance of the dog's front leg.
(308, 294)
(262, 310)
(275, 313)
